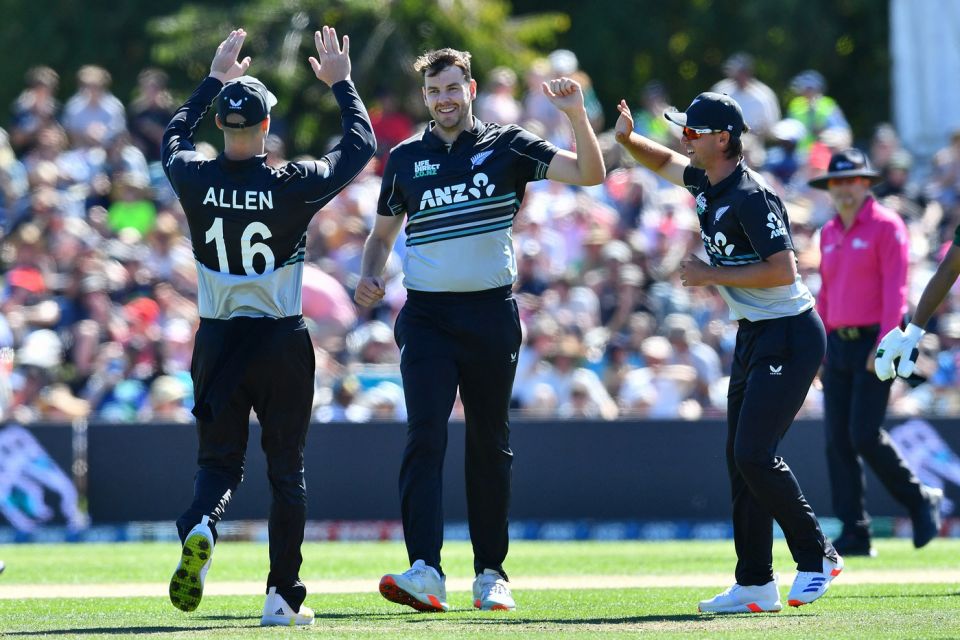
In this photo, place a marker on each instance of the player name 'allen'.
(250, 200)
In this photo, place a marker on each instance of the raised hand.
(332, 63)
(898, 344)
(624, 126)
(565, 94)
(225, 66)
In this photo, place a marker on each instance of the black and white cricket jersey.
(248, 221)
(742, 221)
(460, 201)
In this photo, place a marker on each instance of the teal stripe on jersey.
(463, 233)
(450, 228)
(461, 205)
(734, 260)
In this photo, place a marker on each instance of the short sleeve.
(391, 201)
(534, 154)
(764, 221)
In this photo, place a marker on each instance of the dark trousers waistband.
(500, 293)
(857, 333)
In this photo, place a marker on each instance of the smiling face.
(449, 98)
(705, 150)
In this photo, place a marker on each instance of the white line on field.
(215, 588)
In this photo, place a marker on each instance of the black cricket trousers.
(268, 365)
(448, 341)
(774, 364)
(855, 403)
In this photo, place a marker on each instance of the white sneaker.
(420, 587)
(277, 613)
(745, 599)
(491, 592)
(186, 584)
(810, 585)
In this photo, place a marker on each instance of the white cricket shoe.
(420, 587)
(810, 585)
(491, 592)
(186, 584)
(277, 613)
(745, 599)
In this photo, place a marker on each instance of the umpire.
(248, 224)
(780, 343)
(458, 187)
(863, 295)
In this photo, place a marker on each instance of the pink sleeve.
(894, 248)
(822, 294)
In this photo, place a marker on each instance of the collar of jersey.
(724, 184)
(433, 141)
(235, 165)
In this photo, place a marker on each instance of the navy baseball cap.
(849, 163)
(244, 102)
(714, 111)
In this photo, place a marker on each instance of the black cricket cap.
(709, 110)
(244, 102)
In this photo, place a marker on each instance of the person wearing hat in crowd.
(458, 187)
(780, 344)
(248, 225)
(864, 252)
(817, 112)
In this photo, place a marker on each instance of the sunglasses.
(695, 133)
(839, 182)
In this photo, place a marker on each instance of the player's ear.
(216, 118)
(473, 89)
(265, 125)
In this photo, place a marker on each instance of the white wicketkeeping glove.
(898, 344)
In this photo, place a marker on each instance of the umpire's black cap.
(244, 102)
(709, 110)
(849, 163)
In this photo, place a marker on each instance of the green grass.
(848, 611)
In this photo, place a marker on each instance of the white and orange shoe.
(491, 592)
(420, 587)
(810, 585)
(745, 599)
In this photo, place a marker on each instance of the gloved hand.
(898, 344)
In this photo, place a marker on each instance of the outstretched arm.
(665, 162)
(178, 136)
(585, 167)
(903, 344)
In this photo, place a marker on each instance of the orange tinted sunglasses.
(695, 133)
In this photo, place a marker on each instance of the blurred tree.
(386, 36)
(625, 44)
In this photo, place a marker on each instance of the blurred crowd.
(98, 308)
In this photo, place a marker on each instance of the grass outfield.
(870, 603)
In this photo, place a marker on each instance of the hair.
(42, 76)
(433, 62)
(734, 148)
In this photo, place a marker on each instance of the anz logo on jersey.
(454, 194)
(718, 244)
(775, 224)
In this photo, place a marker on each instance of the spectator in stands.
(149, 112)
(816, 111)
(496, 102)
(35, 108)
(761, 109)
(93, 114)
